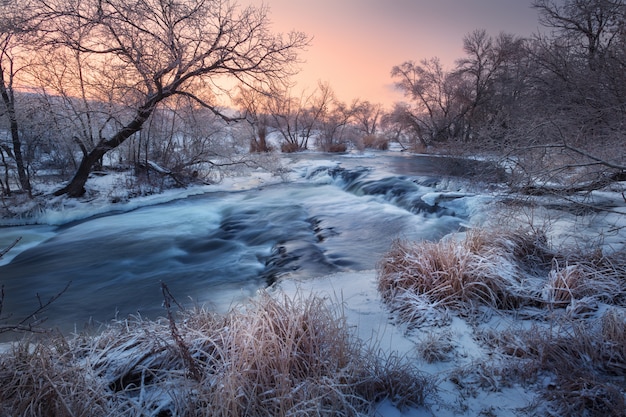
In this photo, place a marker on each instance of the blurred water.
(221, 247)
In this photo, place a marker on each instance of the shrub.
(375, 142)
(338, 147)
(289, 147)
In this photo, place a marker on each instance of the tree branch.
(30, 323)
(208, 106)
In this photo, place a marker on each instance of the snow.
(432, 199)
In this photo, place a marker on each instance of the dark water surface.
(223, 246)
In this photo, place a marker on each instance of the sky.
(355, 43)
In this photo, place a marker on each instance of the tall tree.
(432, 92)
(591, 25)
(152, 50)
(15, 26)
(490, 73)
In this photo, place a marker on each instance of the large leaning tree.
(149, 51)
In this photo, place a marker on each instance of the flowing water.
(216, 248)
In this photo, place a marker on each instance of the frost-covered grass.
(552, 344)
(277, 356)
(565, 309)
(499, 269)
(586, 360)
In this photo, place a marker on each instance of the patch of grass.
(45, 380)
(583, 356)
(448, 273)
(587, 362)
(277, 356)
(505, 270)
(289, 357)
(436, 347)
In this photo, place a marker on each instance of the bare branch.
(208, 106)
(30, 323)
(11, 246)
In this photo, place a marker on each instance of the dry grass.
(505, 270)
(448, 273)
(275, 357)
(518, 272)
(290, 357)
(587, 362)
(436, 347)
(43, 380)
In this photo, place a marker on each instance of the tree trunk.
(9, 102)
(76, 187)
(19, 160)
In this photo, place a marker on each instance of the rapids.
(338, 214)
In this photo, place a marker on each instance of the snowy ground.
(365, 310)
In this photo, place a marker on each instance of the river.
(338, 213)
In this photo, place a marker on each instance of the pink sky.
(357, 42)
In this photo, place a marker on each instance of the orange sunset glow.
(357, 42)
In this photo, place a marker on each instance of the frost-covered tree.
(140, 53)
(253, 105)
(298, 118)
(571, 133)
(433, 112)
(15, 29)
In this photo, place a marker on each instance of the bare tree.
(287, 117)
(572, 135)
(15, 27)
(583, 61)
(298, 118)
(489, 72)
(367, 116)
(149, 51)
(332, 120)
(434, 111)
(592, 25)
(253, 103)
(336, 131)
(398, 126)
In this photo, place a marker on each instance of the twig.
(11, 246)
(30, 323)
(192, 367)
